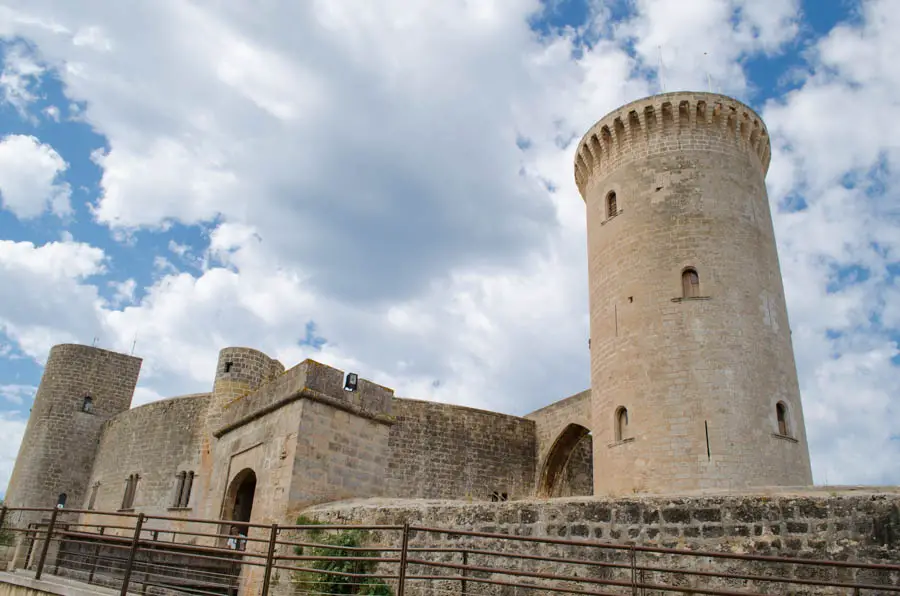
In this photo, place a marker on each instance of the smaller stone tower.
(239, 372)
(82, 387)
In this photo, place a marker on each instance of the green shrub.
(338, 544)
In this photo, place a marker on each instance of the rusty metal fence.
(148, 554)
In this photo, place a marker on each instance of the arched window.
(61, 501)
(781, 413)
(611, 207)
(621, 423)
(87, 404)
(690, 283)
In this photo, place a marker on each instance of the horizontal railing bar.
(313, 558)
(660, 550)
(588, 580)
(340, 573)
(351, 548)
(498, 582)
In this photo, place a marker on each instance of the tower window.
(498, 497)
(612, 208)
(87, 405)
(61, 500)
(130, 489)
(781, 414)
(690, 283)
(621, 422)
(228, 366)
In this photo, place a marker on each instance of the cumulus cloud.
(12, 430)
(840, 248)
(30, 177)
(403, 204)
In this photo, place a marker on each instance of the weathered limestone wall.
(700, 375)
(441, 451)
(155, 441)
(60, 442)
(849, 525)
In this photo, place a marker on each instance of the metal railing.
(153, 554)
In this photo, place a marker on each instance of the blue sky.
(389, 191)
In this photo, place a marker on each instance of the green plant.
(338, 544)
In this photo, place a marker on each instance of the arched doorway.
(568, 467)
(240, 496)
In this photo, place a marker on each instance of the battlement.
(670, 122)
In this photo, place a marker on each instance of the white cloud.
(377, 190)
(829, 131)
(30, 178)
(21, 73)
(12, 430)
(16, 394)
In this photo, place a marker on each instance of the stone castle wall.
(699, 375)
(60, 441)
(832, 525)
(441, 451)
(156, 441)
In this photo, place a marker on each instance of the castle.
(693, 381)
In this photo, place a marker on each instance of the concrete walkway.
(48, 584)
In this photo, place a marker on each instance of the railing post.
(132, 553)
(46, 545)
(465, 572)
(404, 550)
(633, 572)
(96, 556)
(270, 558)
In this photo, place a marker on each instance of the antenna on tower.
(134, 343)
(94, 341)
(662, 72)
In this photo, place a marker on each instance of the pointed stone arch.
(555, 467)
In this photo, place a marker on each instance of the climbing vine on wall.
(337, 544)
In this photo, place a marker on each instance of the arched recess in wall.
(238, 505)
(568, 468)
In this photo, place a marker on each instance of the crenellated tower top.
(670, 122)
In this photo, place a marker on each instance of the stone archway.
(238, 504)
(569, 464)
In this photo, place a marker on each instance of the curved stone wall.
(239, 372)
(674, 188)
(441, 451)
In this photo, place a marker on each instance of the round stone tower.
(239, 371)
(693, 379)
(82, 387)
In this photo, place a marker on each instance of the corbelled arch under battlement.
(564, 460)
(667, 123)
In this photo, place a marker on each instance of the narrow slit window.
(621, 424)
(93, 500)
(782, 416)
(61, 500)
(690, 283)
(612, 208)
(130, 489)
(498, 497)
(87, 404)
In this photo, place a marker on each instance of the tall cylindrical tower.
(82, 387)
(693, 379)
